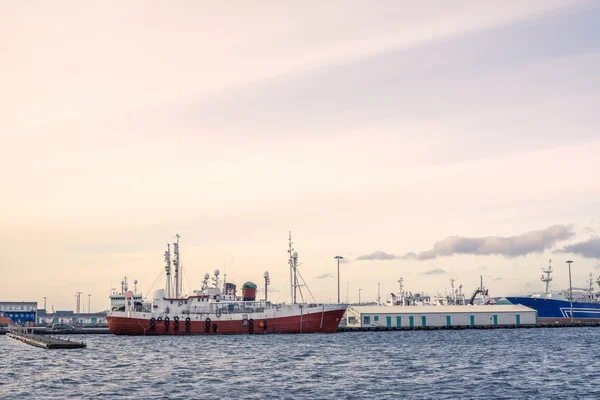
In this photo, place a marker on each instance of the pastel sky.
(417, 139)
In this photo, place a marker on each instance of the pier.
(45, 342)
(477, 327)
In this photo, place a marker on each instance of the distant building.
(431, 316)
(20, 312)
(70, 317)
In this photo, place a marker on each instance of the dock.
(466, 327)
(76, 331)
(45, 342)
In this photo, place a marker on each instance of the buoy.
(261, 325)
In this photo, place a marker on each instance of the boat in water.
(456, 297)
(217, 309)
(556, 306)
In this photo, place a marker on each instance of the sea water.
(545, 363)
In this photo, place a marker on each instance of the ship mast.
(177, 268)
(401, 282)
(168, 270)
(295, 282)
(547, 279)
(292, 275)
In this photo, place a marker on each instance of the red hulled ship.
(211, 311)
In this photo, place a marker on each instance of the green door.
(423, 321)
(448, 320)
(472, 318)
(388, 321)
(56, 320)
(94, 320)
(398, 322)
(518, 319)
(411, 321)
(495, 320)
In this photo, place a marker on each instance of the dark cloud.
(324, 276)
(434, 271)
(378, 255)
(588, 249)
(512, 246)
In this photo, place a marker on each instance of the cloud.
(497, 279)
(324, 276)
(588, 249)
(434, 271)
(590, 230)
(378, 255)
(512, 246)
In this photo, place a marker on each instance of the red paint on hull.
(311, 323)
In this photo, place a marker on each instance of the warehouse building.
(70, 317)
(438, 316)
(20, 312)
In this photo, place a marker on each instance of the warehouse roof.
(439, 309)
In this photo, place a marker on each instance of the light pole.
(570, 289)
(90, 302)
(338, 259)
(267, 281)
(359, 296)
(45, 303)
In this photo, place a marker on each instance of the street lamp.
(267, 281)
(338, 259)
(570, 289)
(359, 296)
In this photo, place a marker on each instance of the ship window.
(351, 320)
(366, 319)
(376, 318)
(186, 302)
(171, 301)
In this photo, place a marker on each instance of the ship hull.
(323, 321)
(559, 310)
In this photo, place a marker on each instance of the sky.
(423, 140)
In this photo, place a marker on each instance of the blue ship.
(559, 309)
(557, 306)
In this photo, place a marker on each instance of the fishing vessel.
(557, 306)
(456, 297)
(217, 309)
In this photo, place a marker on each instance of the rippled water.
(499, 364)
